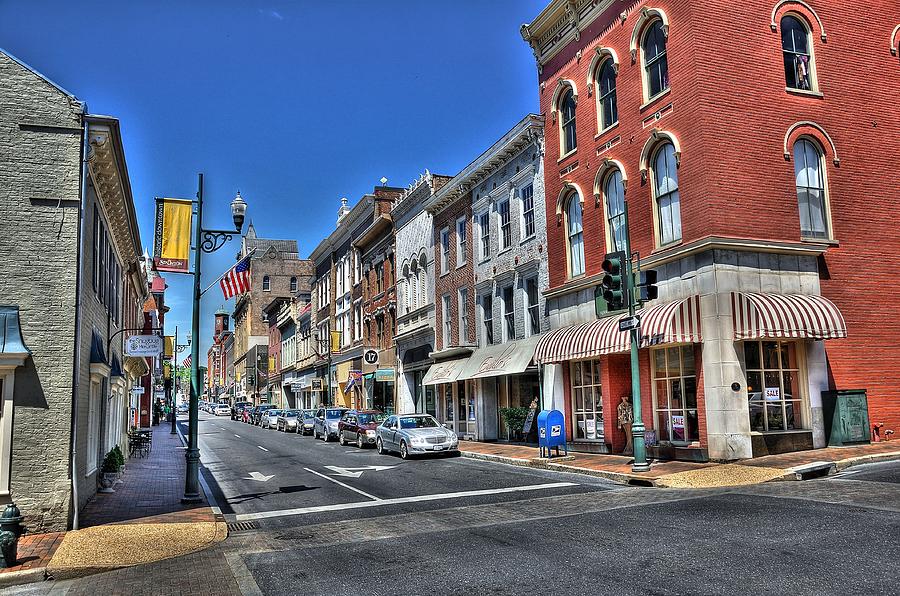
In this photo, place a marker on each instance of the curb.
(843, 464)
(543, 464)
(25, 576)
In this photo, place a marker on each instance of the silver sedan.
(412, 434)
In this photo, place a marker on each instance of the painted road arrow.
(259, 477)
(356, 472)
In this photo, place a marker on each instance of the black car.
(256, 414)
(237, 409)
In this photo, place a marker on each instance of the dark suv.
(358, 426)
(238, 408)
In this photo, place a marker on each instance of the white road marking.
(259, 477)
(356, 490)
(400, 500)
(356, 472)
(261, 447)
(238, 436)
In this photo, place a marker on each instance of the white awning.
(786, 315)
(510, 358)
(444, 372)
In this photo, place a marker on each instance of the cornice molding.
(561, 23)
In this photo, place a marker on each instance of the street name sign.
(144, 345)
(632, 322)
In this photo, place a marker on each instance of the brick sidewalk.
(150, 492)
(618, 467)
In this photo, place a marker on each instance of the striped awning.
(786, 315)
(673, 322)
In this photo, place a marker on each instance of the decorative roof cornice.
(342, 232)
(528, 131)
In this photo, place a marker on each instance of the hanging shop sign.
(316, 384)
(172, 235)
(143, 345)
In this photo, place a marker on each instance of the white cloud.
(272, 13)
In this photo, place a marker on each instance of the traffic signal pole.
(637, 426)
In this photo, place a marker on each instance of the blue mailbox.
(551, 432)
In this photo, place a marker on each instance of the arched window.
(413, 284)
(656, 65)
(575, 235)
(267, 283)
(567, 121)
(665, 193)
(422, 291)
(809, 172)
(795, 47)
(614, 193)
(606, 95)
(293, 284)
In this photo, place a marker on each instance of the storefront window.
(773, 385)
(675, 394)
(587, 400)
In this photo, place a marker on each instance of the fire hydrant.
(11, 529)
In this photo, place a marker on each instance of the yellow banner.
(335, 342)
(167, 371)
(169, 346)
(172, 237)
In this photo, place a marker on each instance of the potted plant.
(514, 420)
(108, 473)
(120, 459)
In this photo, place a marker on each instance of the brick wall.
(730, 112)
(457, 276)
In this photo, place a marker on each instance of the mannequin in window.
(625, 418)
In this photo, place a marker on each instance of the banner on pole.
(169, 349)
(335, 342)
(172, 235)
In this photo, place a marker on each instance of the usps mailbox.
(551, 432)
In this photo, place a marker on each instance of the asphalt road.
(529, 531)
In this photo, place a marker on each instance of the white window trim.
(446, 321)
(462, 297)
(500, 246)
(482, 254)
(460, 244)
(445, 250)
(524, 235)
(8, 364)
(528, 305)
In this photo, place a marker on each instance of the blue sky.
(297, 104)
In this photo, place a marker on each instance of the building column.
(817, 379)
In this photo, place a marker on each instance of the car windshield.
(334, 413)
(291, 413)
(418, 422)
(309, 413)
(274, 412)
(370, 418)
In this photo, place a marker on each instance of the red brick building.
(748, 150)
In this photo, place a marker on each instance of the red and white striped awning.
(674, 322)
(786, 315)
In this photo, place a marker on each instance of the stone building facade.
(764, 295)
(276, 271)
(65, 196)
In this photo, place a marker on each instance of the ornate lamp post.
(206, 241)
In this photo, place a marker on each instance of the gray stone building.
(414, 246)
(71, 282)
(477, 380)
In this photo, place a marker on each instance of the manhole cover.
(242, 526)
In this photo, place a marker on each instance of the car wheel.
(315, 434)
(379, 447)
(404, 452)
(359, 441)
(341, 439)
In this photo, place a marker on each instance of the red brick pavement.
(150, 492)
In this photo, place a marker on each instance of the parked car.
(269, 418)
(307, 421)
(326, 423)
(358, 426)
(413, 434)
(222, 410)
(247, 415)
(258, 413)
(237, 408)
(288, 421)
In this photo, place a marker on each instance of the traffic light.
(614, 281)
(645, 285)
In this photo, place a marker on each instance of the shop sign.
(384, 374)
(773, 393)
(316, 384)
(137, 391)
(143, 345)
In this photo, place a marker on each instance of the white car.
(222, 410)
(269, 418)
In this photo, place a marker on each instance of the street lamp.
(206, 241)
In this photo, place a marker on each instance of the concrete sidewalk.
(677, 474)
(144, 521)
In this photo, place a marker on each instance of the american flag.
(237, 279)
(186, 362)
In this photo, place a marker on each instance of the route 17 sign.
(370, 357)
